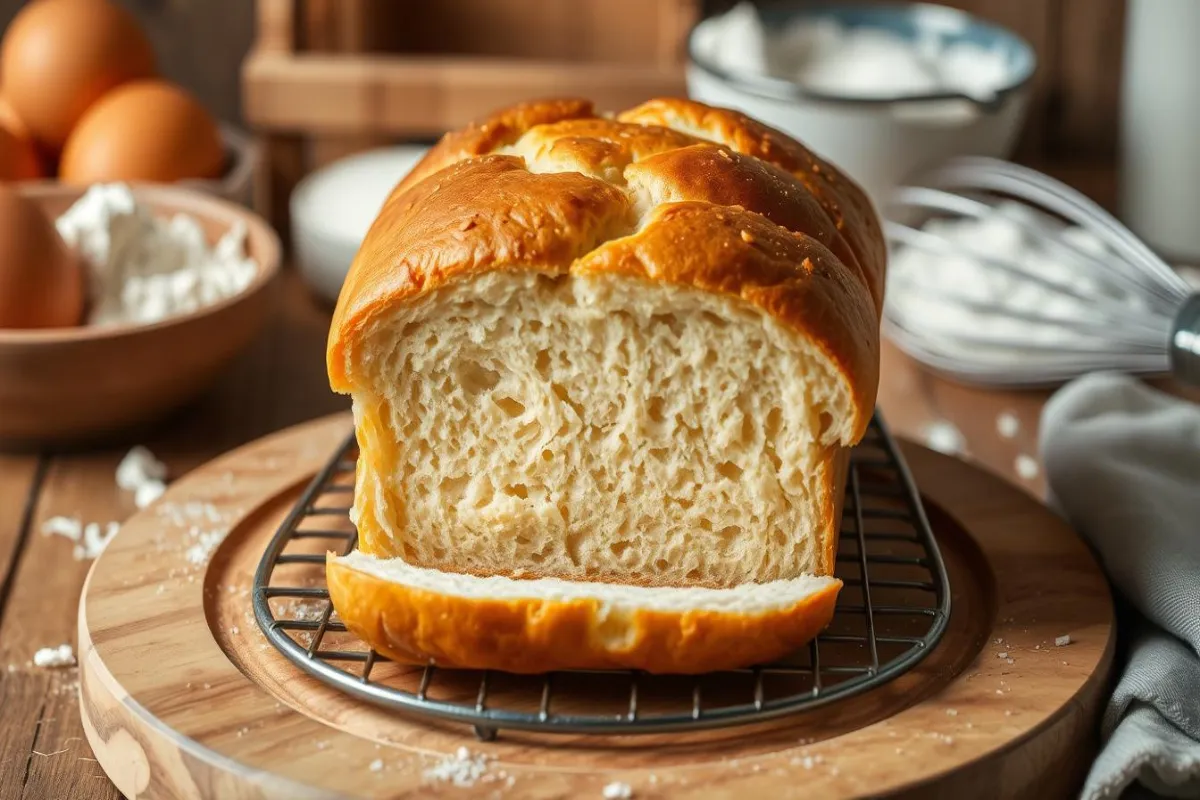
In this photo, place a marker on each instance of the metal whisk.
(1003, 276)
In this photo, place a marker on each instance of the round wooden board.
(182, 696)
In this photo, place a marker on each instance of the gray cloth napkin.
(1123, 465)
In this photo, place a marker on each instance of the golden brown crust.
(717, 174)
(500, 128)
(464, 211)
(843, 200)
(534, 635)
(478, 215)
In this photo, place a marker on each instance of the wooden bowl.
(71, 386)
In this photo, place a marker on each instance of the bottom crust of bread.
(412, 614)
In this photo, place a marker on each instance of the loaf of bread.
(606, 372)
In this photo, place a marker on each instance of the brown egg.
(10, 120)
(144, 131)
(18, 158)
(41, 279)
(58, 57)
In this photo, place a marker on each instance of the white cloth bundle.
(1123, 464)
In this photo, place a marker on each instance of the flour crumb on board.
(618, 790)
(1026, 467)
(67, 527)
(951, 712)
(376, 765)
(462, 768)
(808, 762)
(944, 437)
(206, 543)
(1007, 425)
(1002, 655)
(204, 526)
(90, 539)
(143, 474)
(1062, 641)
(61, 656)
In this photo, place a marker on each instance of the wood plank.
(41, 612)
(1084, 112)
(41, 607)
(23, 698)
(425, 96)
(277, 30)
(284, 164)
(61, 763)
(338, 26)
(597, 31)
(40, 706)
(1033, 20)
(19, 478)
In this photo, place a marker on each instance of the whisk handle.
(1185, 342)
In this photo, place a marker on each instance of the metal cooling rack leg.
(484, 734)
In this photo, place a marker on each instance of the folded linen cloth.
(1123, 464)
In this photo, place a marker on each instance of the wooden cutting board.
(182, 696)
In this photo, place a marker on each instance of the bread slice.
(414, 615)
(626, 352)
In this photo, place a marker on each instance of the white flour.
(61, 656)
(141, 268)
(143, 474)
(462, 768)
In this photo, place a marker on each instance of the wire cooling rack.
(892, 610)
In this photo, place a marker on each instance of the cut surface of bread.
(528, 626)
(595, 427)
(628, 352)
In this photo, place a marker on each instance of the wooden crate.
(326, 78)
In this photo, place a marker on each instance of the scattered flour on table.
(944, 437)
(139, 472)
(1062, 641)
(376, 765)
(618, 791)
(143, 269)
(61, 656)
(143, 474)
(1026, 467)
(1008, 425)
(462, 768)
(90, 539)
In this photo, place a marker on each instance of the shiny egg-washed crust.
(541, 634)
(671, 191)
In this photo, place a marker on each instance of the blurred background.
(201, 44)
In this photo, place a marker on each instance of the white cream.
(824, 56)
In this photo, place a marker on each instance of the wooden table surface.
(280, 381)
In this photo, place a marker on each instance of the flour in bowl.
(142, 268)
